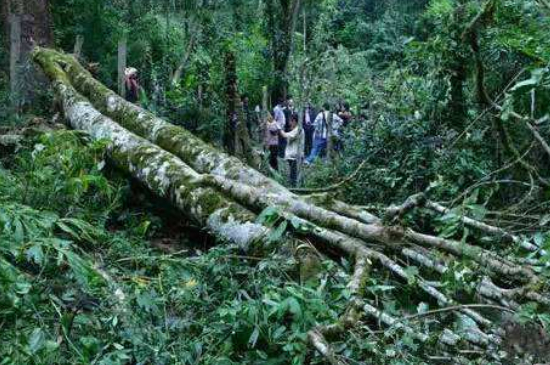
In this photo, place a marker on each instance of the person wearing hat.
(131, 84)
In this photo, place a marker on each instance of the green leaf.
(294, 306)
(254, 337)
(279, 332)
(147, 301)
(19, 233)
(143, 228)
(36, 254)
(36, 341)
(276, 234)
(412, 273)
(78, 229)
(22, 288)
(268, 216)
(422, 308)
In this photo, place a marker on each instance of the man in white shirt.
(321, 133)
(279, 115)
(308, 119)
(281, 120)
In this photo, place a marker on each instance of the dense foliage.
(94, 271)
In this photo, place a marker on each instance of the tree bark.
(121, 66)
(231, 102)
(34, 28)
(226, 197)
(160, 171)
(253, 189)
(15, 56)
(282, 17)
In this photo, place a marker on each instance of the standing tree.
(236, 136)
(281, 17)
(32, 20)
(231, 97)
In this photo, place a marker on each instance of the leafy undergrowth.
(86, 277)
(81, 281)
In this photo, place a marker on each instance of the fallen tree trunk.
(225, 196)
(246, 184)
(163, 173)
(201, 156)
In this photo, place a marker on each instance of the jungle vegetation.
(155, 232)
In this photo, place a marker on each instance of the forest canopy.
(274, 182)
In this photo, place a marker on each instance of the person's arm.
(336, 121)
(318, 121)
(274, 127)
(290, 135)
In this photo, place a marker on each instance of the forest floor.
(96, 270)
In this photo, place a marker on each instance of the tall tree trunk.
(237, 139)
(121, 66)
(35, 29)
(231, 102)
(5, 19)
(15, 57)
(458, 74)
(282, 18)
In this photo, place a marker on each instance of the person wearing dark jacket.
(345, 113)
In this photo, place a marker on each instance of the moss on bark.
(162, 172)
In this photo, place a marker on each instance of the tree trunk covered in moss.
(246, 185)
(226, 197)
(160, 171)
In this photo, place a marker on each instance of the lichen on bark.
(162, 172)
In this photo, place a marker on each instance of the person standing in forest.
(321, 133)
(280, 119)
(293, 152)
(272, 137)
(344, 113)
(131, 84)
(288, 110)
(279, 114)
(307, 122)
